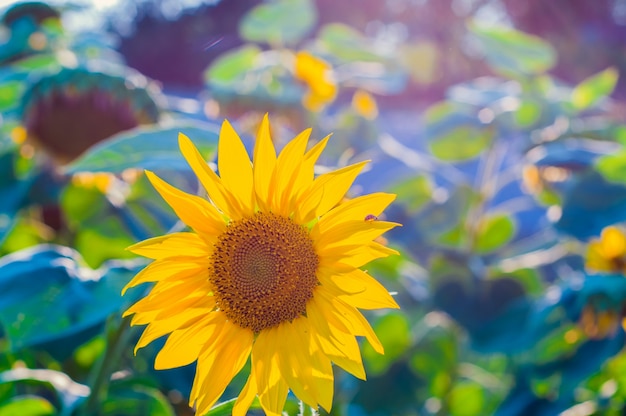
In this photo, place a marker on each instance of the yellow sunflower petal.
(183, 346)
(350, 317)
(219, 362)
(326, 192)
(350, 233)
(613, 242)
(264, 163)
(306, 369)
(285, 174)
(209, 179)
(235, 167)
(371, 296)
(165, 300)
(305, 173)
(146, 316)
(356, 209)
(194, 211)
(336, 341)
(156, 329)
(176, 244)
(246, 397)
(272, 388)
(171, 266)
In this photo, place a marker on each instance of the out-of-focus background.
(500, 125)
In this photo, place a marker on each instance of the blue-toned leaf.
(47, 295)
(151, 148)
(591, 203)
(514, 53)
(281, 22)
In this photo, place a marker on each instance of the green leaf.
(149, 148)
(231, 67)
(346, 43)
(494, 232)
(594, 88)
(393, 332)
(27, 406)
(135, 400)
(561, 342)
(528, 113)
(10, 93)
(414, 192)
(460, 143)
(529, 278)
(68, 392)
(226, 408)
(281, 22)
(613, 166)
(467, 398)
(514, 53)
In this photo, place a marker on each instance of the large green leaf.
(280, 22)
(494, 232)
(514, 53)
(393, 331)
(613, 166)
(460, 143)
(27, 406)
(150, 148)
(414, 192)
(466, 398)
(135, 400)
(347, 43)
(10, 93)
(594, 88)
(232, 66)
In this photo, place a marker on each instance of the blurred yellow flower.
(318, 76)
(364, 104)
(608, 253)
(271, 274)
(99, 180)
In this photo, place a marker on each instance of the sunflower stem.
(118, 334)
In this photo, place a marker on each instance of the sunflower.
(270, 273)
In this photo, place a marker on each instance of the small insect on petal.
(370, 218)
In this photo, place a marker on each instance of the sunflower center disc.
(263, 270)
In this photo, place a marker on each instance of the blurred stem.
(486, 186)
(444, 409)
(118, 334)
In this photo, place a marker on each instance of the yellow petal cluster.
(608, 253)
(318, 75)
